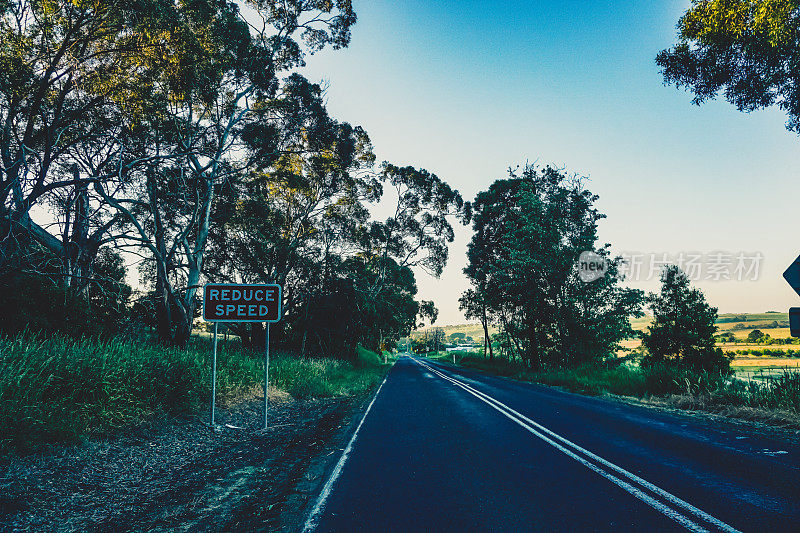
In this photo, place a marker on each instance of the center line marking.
(539, 431)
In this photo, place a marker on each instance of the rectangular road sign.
(233, 302)
(794, 321)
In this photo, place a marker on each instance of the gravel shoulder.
(176, 474)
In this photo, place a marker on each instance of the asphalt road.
(449, 449)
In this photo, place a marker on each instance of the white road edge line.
(319, 506)
(530, 425)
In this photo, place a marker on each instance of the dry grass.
(773, 417)
(749, 362)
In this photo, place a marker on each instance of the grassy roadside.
(776, 402)
(61, 390)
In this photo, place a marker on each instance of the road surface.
(443, 448)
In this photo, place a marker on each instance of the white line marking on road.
(319, 506)
(532, 427)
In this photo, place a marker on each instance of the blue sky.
(467, 89)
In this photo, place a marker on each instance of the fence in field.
(764, 374)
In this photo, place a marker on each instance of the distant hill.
(474, 330)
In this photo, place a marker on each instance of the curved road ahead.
(448, 449)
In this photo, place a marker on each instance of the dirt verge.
(176, 474)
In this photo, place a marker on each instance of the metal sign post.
(214, 376)
(266, 373)
(232, 302)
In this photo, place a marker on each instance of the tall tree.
(530, 230)
(473, 303)
(295, 221)
(218, 104)
(746, 49)
(61, 64)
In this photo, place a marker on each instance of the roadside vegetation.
(544, 319)
(677, 364)
(776, 399)
(58, 389)
(212, 160)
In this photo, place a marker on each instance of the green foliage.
(755, 336)
(41, 301)
(587, 378)
(682, 332)
(661, 379)
(734, 318)
(746, 49)
(314, 378)
(530, 230)
(711, 390)
(60, 389)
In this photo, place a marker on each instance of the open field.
(775, 333)
(764, 362)
(473, 329)
(729, 322)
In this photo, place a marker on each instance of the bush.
(784, 392)
(37, 303)
(682, 331)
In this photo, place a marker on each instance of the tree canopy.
(181, 136)
(745, 49)
(529, 231)
(682, 332)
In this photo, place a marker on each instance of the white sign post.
(233, 302)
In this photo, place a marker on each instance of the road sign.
(233, 302)
(794, 321)
(236, 302)
(792, 275)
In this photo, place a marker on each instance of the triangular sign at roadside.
(792, 275)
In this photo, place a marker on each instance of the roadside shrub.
(784, 392)
(31, 302)
(682, 331)
(668, 379)
(62, 389)
(663, 379)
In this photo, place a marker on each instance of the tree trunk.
(162, 307)
(487, 341)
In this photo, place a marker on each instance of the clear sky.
(467, 89)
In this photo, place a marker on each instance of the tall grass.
(60, 389)
(713, 390)
(310, 377)
(587, 379)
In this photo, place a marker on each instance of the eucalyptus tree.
(473, 303)
(418, 231)
(217, 103)
(61, 66)
(415, 235)
(747, 50)
(292, 220)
